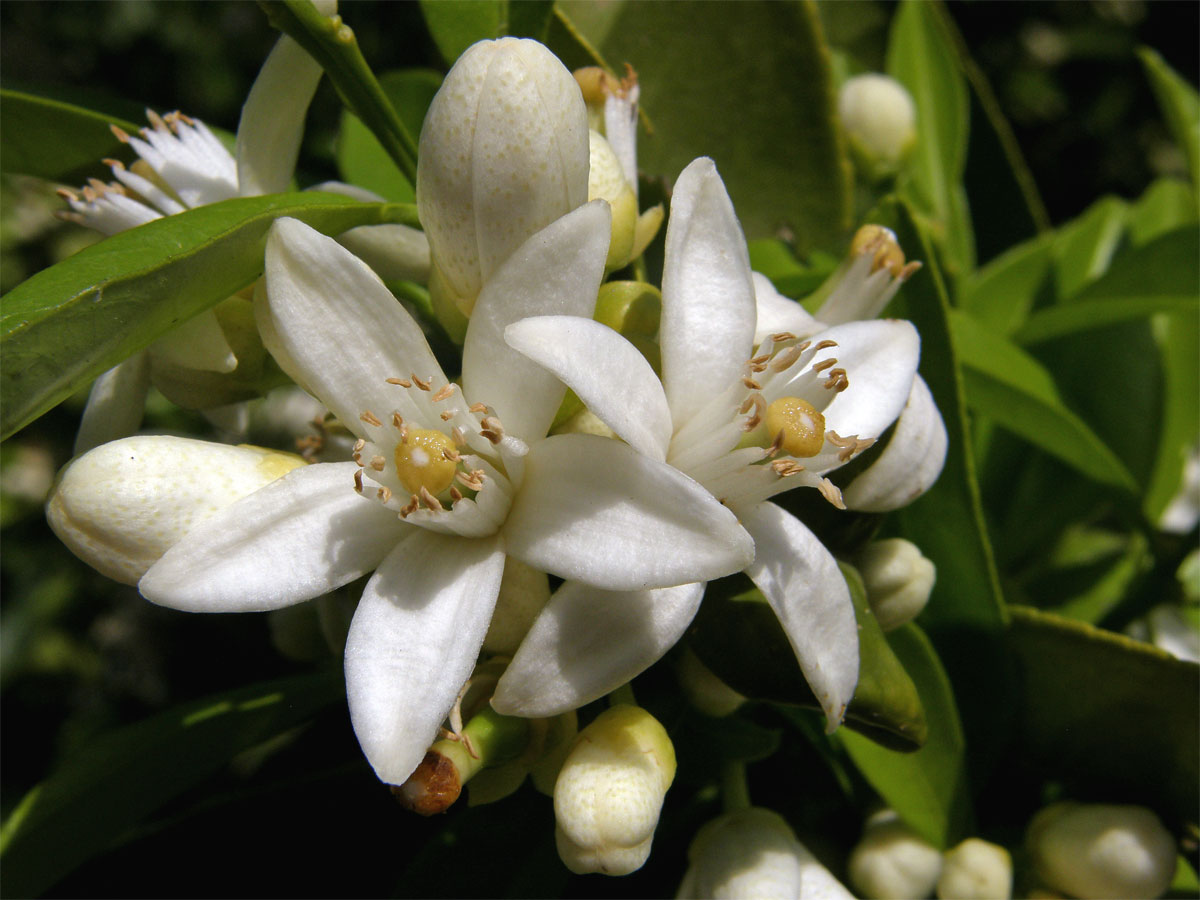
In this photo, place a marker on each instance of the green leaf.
(1010, 387)
(768, 122)
(1108, 714)
(1180, 107)
(70, 322)
(927, 788)
(456, 26)
(1164, 206)
(361, 159)
(90, 801)
(921, 56)
(775, 259)
(56, 140)
(1178, 339)
(1159, 276)
(1086, 246)
(737, 635)
(1002, 294)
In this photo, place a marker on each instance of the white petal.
(595, 510)
(910, 463)
(341, 333)
(198, 343)
(588, 642)
(297, 538)
(395, 252)
(413, 643)
(555, 272)
(116, 404)
(880, 359)
(272, 122)
(607, 372)
(708, 295)
(777, 313)
(803, 584)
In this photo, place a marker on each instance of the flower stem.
(623, 694)
(734, 790)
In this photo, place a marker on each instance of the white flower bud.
(1097, 851)
(122, 505)
(610, 791)
(606, 181)
(898, 579)
(752, 853)
(976, 870)
(503, 153)
(524, 592)
(880, 119)
(893, 862)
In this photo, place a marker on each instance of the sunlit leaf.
(85, 806)
(1178, 339)
(1004, 292)
(1164, 206)
(1086, 246)
(928, 788)
(1180, 107)
(456, 26)
(67, 324)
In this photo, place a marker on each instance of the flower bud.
(704, 690)
(503, 153)
(976, 870)
(524, 592)
(610, 791)
(122, 505)
(606, 181)
(898, 579)
(893, 862)
(1095, 850)
(880, 119)
(753, 853)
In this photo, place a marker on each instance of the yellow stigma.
(882, 243)
(421, 462)
(797, 425)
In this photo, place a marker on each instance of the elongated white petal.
(777, 313)
(880, 359)
(198, 343)
(910, 463)
(607, 372)
(272, 122)
(413, 642)
(588, 642)
(555, 272)
(708, 295)
(803, 584)
(340, 331)
(595, 510)
(297, 538)
(116, 404)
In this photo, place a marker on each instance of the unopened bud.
(1098, 851)
(708, 693)
(610, 791)
(606, 181)
(880, 120)
(898, 579)
(976, 870)
(893, 862)
(524, 592)
(122, 505)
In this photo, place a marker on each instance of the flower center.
(425, 459)
(797, 426)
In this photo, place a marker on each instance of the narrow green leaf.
(67, 324)
(1086, 246)
(456, 26)
(1164, 206)
(1108, 714)
(921, 56)
(56, 140)
(928, 788)
(1180, 107)
(1178, 339)
(1004, 292)
(529, 18)
(769, 125)
(1013, 389)
(85, 806)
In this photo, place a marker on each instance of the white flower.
(714, 389)
(893, 862)
(880, 120)
(442, 491)
(752, 854)
(975, 870)
(503, 153)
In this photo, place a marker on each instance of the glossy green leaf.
(1160, 276)
(1086, 246)
(456, 26)
(921, 56)
(1178, 339)
(1180, 107)
(56, 140)
(768, 123)
(67, 324)
(1109, 715)
(94, 797)
(1002, 294)
(1164, 206)
(928, 788)
(362, 160)
(775, 259)
(737, 635)
(1013, 389)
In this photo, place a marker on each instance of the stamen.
(451, 454)
(830, 492)
(477, 408)
(759, 405)
(780, 336)
(751, 383)
(370, 418)
(358, 485)
(785, 359)
(825, 364)
(448, 414)
(785, 467)
(397, 420)
(850, 446)
(458, 436)
(837, 381)
(446, 391)
(825, 344)
(155, 119)
(423, 383)
(384, 493)
(377, 463)
(431, 501)
(359, 444)
(455, 495)
(472, 481)
(759, 360)
(403, 382)
(113, 163)
(491, 429)
(413, 505)
(119, 133)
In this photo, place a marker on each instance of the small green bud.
(880, 120)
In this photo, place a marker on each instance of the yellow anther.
(421, 463)
(797, 426)
(882, 244)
